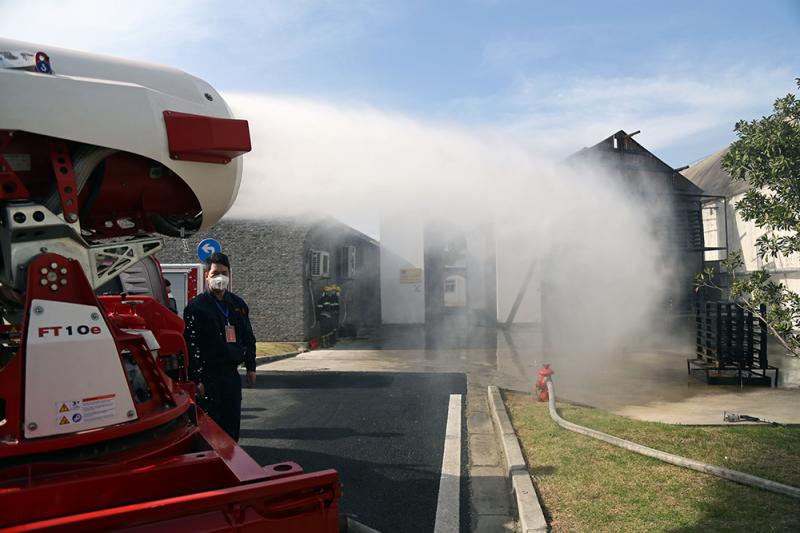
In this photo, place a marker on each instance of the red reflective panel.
(206, 139)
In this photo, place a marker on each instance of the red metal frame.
(301, 503)
(196, 490)
(192, 285)
(165, 325)
(65, 179)
(11, 392)
(172, 469)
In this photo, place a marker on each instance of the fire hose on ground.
(725, 473)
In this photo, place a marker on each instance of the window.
(326, 265)
(450, 285)
(347, 264)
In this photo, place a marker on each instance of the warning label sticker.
(98, 407)
(86, 410)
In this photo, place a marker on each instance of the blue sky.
(552, 76)
(516, 65)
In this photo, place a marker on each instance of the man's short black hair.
(218, 258)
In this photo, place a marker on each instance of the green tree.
(767, 156)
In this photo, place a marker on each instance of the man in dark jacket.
(220, 339)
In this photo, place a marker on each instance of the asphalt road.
(383, 432)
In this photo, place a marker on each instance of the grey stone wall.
(269, 270)
(266, 268)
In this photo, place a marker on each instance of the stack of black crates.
(731, 345)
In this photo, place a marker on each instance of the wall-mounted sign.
(411, 275)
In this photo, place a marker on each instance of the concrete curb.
(264, 359)
(531, 516)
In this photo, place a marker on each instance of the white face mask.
(218, 282)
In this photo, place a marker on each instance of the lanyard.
(225, 311)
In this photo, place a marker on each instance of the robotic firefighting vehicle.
(98, 157)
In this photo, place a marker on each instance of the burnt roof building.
(677, 203)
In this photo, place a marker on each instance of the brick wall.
(268, 268)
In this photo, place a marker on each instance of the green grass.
(588, 485)
(276, 348)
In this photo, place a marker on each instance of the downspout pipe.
(726, 473)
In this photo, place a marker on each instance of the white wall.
(402, 247)
(742, 235)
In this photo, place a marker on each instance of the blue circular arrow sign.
(207, 247)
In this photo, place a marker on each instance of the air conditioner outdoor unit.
(320, 264)
(348, 262)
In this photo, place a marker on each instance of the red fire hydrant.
(541, 385)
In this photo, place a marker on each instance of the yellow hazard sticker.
(87, 411)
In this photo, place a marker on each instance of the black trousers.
(223, 401)
(328, 328)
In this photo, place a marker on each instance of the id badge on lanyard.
(230, 334)
(230, 330)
